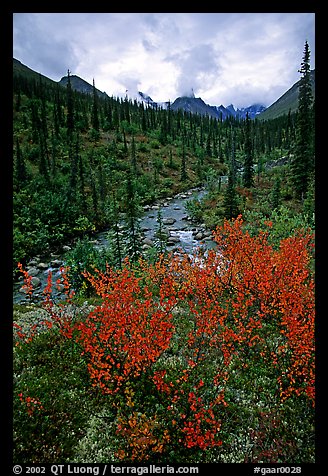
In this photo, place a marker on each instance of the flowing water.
(181, 234)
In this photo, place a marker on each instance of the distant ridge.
(287, 102)
(194, 106)
(23, 70)
(79, 84)
(198, 106)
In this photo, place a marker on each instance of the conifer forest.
(137, 351)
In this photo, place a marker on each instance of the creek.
(182, 235)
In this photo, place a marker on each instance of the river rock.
(23, 290)
(36, 282)
(199, 235)
(43, 265)
(148, 242)
(56, 263)
(33, 262)
(33, 271)
(168, 221)
(173, 240)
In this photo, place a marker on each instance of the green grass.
(51, 370)
(78, 424)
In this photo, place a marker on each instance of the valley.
(127, 347)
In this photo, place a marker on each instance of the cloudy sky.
(238, 58)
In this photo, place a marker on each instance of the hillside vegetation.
(288, 102)
(170, 358)
(77, 157)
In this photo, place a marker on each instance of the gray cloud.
(225, 57)
(32, 42)
(198, 66)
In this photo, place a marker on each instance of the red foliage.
(127, 333)
(28, 286)
(275, 286)
(246, 297)
(31, 404)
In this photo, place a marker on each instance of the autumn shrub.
(50, 379)
(198, 354)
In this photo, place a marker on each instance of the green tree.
(248, 174)
(132, 226)
(43, 162)
(114, 235)
(70, 107)
(160, 234)
(230, 200)
(82, 184)
(133, 156)
(73, 154)
(183, 171)
(20, 173)
(58, 116)
(276, 193)
(303, 159)
(94, 115)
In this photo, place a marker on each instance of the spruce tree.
(54, 152)
(208, 145)
(133, 156)
(303, 160)
(160, 234)
(70, 107)
(143, 119)
(95, 116)
(58, 106)
(18, 101)
(43, 162)
(20, 172)
(230, 201)
(248, 174)
(102, 188)
(276, 193)
(36, 122)
(132, 226)
(82, 185)
(170, 158)
(94, 193)
(114, 235)
(183, 170)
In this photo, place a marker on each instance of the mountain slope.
(198, 106)
(194, 106)
(185, 103)
(253, 111)
(287, 102)
(79, 84)
(23, 70)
